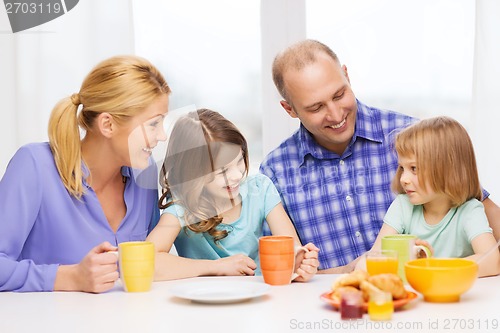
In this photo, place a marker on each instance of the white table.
(292, 308)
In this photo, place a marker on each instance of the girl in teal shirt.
(213, 210)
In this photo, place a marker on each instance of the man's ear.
(344, 68)
(288, 108)
(105, 124)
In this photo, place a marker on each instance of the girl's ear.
(105, 124)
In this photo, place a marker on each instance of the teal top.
(451, 237)
(259, 197)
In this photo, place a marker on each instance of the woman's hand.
(96, 273)
(238, 264)
(307, 263)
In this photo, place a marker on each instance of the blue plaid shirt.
(339, 202)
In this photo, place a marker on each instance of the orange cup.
(277, 259)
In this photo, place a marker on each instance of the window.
(413, 56)
(209, 52)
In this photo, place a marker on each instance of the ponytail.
(64, 139)
(122, 86)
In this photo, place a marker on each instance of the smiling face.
(144, 132)
(224, 184)
(320, 96)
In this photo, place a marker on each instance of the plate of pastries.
(360, 280)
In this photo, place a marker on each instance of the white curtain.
(486, 93)
(283, 22)
(41, 65)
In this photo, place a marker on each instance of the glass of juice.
(380, 306)
(382, 261)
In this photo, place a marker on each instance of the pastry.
(389, 282)
(367, 288)
(360, 280)
(336, 295)
(352, 279)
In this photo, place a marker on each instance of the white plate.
(221, 291)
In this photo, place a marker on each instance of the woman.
(66, 203)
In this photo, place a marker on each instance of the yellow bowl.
(441, 279)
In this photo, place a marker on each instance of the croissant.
(389, 282)
(336, 295)
(367, 288)
(352, 279)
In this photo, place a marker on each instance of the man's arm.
(336, 270)
(493, 214)
(341, 269)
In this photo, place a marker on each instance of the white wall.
(486, 93)
(41, 65)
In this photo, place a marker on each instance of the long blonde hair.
(444, 156)
(122, 86)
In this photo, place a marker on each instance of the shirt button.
(348, 198)
(358, 234)
(341, 162)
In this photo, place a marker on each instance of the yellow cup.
(137, 265)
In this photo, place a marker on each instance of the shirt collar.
(367, 127)
(368, 124)
(86, 173)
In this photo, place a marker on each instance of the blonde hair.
(444, 156)
(296, 57)
(122, 86)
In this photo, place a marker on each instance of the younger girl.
(439, 193)
(213, 211)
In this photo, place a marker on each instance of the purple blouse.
(42, 225)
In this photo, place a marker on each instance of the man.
(334, 173)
